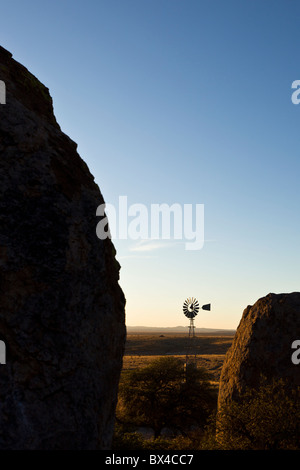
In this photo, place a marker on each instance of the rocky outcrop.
(61, 307)
(262, 346)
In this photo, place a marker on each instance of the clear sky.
(188, 102)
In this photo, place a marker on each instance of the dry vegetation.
(209, 350)
(274, 405)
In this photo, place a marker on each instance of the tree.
(166, 394)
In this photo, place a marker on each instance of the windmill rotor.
(191, 307)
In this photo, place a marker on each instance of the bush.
(264, 419)
(166, 394)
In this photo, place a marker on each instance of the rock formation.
(61, 307)
(262, 346)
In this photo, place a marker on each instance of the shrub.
(263, 419)
(166, 394)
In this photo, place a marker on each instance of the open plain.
(207, 349)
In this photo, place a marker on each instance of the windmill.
(190, 309)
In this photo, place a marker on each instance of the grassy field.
(208, 350)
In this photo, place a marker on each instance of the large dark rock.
(61, 307)
(262, 346)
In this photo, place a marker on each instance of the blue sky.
(187, 102)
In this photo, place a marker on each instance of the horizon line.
(180, 326)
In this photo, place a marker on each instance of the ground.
(209, 350)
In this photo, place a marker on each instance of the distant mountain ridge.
(177, 329)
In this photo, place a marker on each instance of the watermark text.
(159, 221)
(2, 92)
(296, 354)
(2, 352)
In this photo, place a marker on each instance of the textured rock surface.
(262, 345)
(61, 307)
